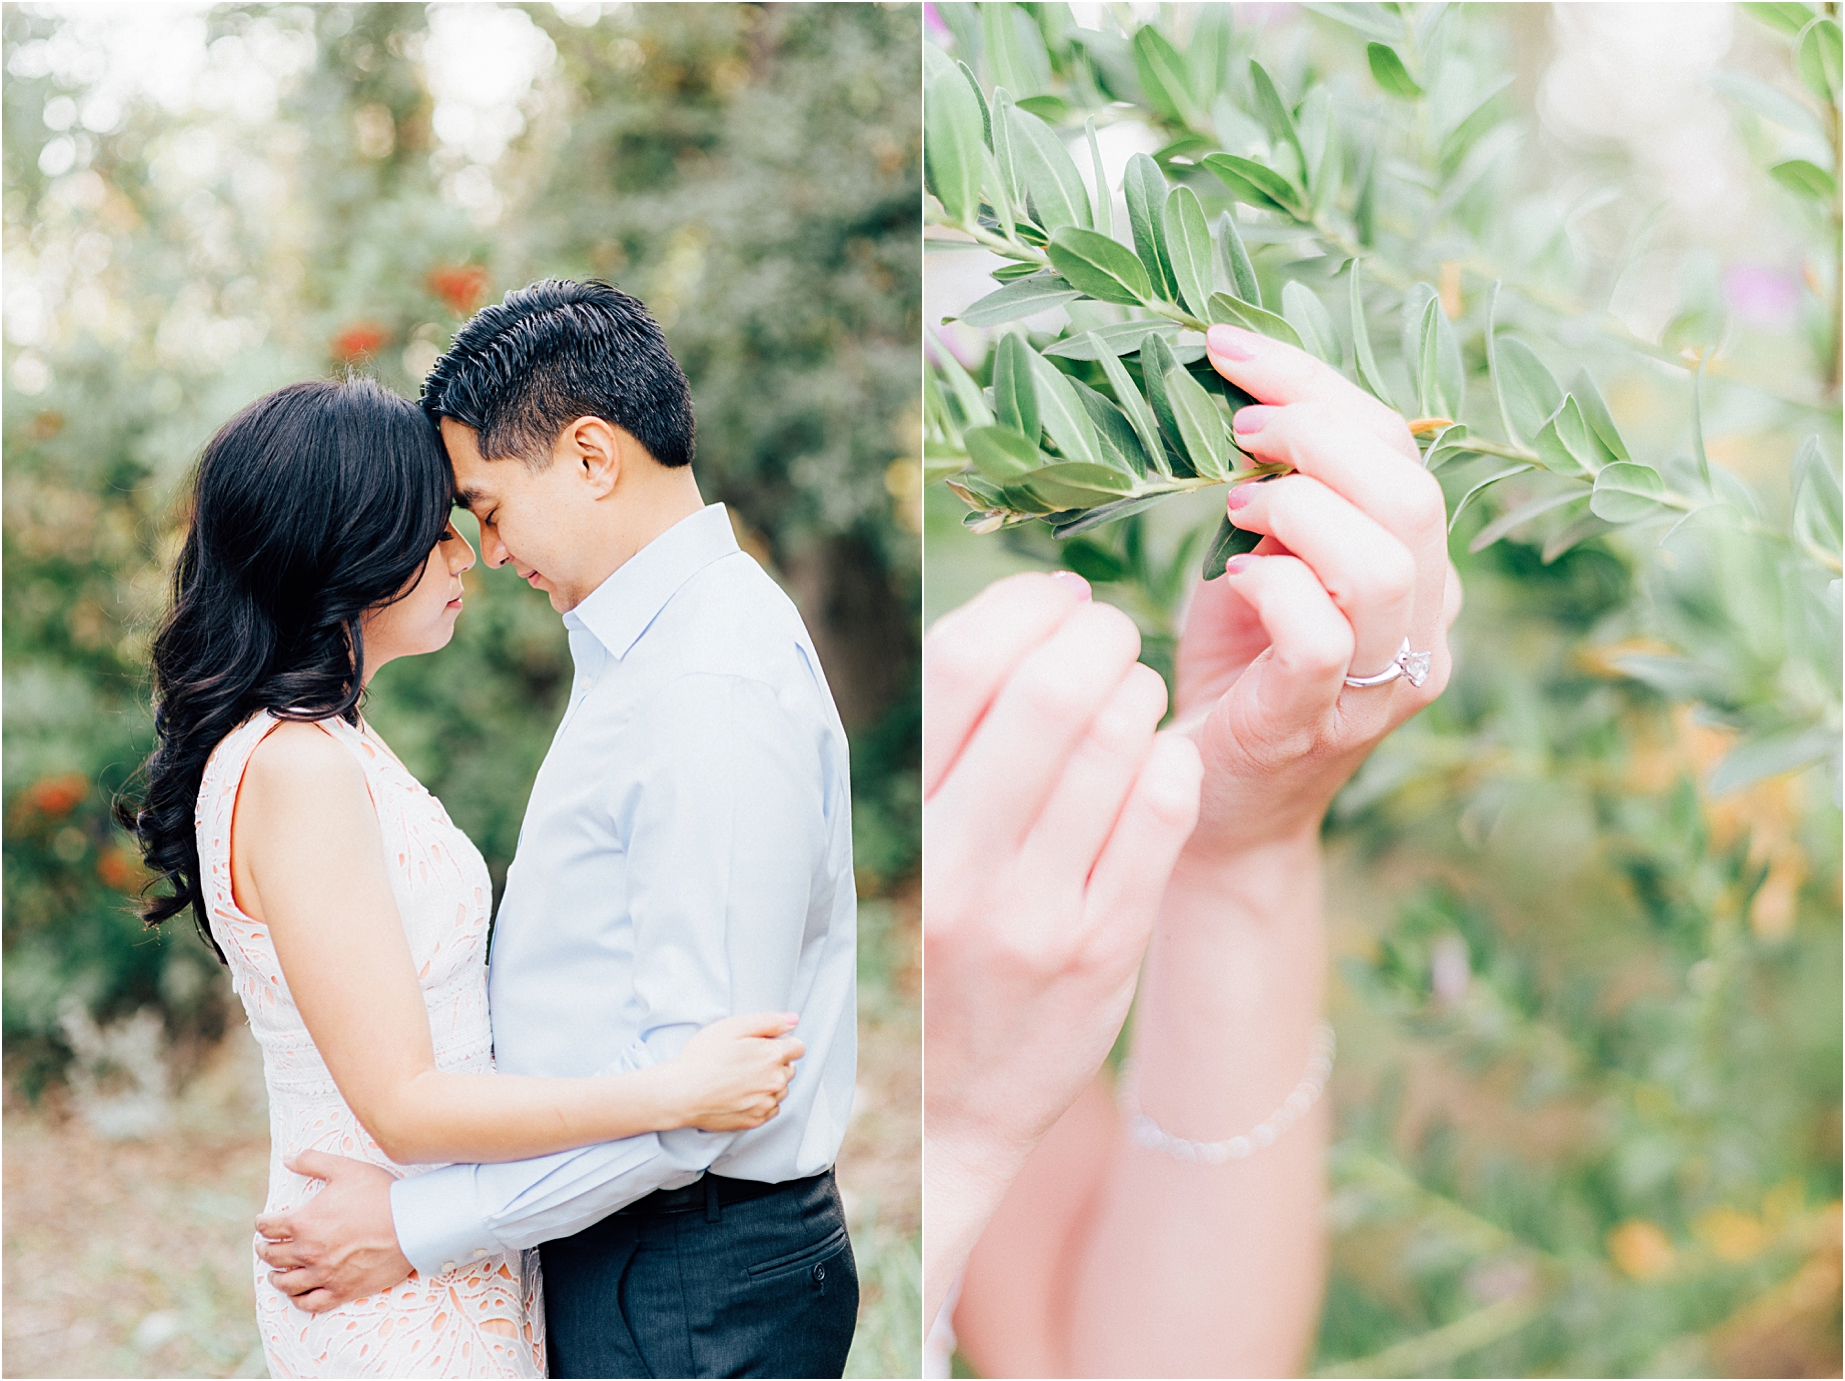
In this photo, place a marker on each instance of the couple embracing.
(641, 1109)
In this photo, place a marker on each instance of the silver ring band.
(1414, 665)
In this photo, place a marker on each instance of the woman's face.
(424, 619)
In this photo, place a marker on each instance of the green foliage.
(1590, 1001)
(749, 172)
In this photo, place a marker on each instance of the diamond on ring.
(1413, 665)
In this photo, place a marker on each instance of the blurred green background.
(205, 203)
(1585, 909)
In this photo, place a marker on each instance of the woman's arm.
(1165, 1268)
(308, 861)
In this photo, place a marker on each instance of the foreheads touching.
(524, 369)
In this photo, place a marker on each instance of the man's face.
(527, 517)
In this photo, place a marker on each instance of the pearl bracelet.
(1147, 1134)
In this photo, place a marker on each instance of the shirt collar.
(622, 607)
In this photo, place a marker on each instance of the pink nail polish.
(1232, 342)
(1078, 586)
(1250, 420)
(1239, 497)
(1236, 565)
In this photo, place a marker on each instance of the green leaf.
(1105, 269)
(1156, 362)
(1015, 54)
(1468, 129)
(953, 129)
(1820, 53)
(1273, 110)
(1053, 186)
(1188, 248)
(1021, 298)
(1805, 179)
(1104, 198)
(1139, 415)
(1015, 396)
(974, 408)
(1064, 418)
(986, 114)
(1446, 444)
(1107, 342)
(1067, 485)
(1565, 445)
(1771, 755)
(1304, 311)
(1003, 155)
(1251, 182)
(1768, 101)
(1232, 312)
(1201, 425)
(1388, 71)
(1001, 454)
(1697, 427)
(1371, 20)
(1481, 487)
(1094, 562)
(1239, 272)
(1518, 517)
(1439, 377)
(1120, 447)
(1816, 499)
(1628, 493)
(1145, 188)
(1109, 512)
(1789, 17)
(1163, 76)
(1368, 373)
(1229, 541)
(1578, 530)
(1595, 412)
(1528, 392)
(1209, 51)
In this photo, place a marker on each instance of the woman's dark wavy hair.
(309, 508)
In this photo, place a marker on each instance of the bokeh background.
(1585, 909)
(205, 203)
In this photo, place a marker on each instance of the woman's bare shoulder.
(297, 759)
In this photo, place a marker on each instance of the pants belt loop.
(713, 1211)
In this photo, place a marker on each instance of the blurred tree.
(202, 207)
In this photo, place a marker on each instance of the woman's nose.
(458, 562)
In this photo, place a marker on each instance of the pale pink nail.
(1232, 342)
(1239, 497)
(1250, 420)
(1236, 565)
(1078, 586)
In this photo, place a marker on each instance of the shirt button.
(819, 1273)
(447, 1266)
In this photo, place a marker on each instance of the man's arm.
(724, 837)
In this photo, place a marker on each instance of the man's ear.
(595, 449)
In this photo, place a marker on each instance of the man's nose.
(492, 550)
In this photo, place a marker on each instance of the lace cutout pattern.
(486, 1317)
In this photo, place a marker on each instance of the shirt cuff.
(439, 1227)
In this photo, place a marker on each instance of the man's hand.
(340, 1245)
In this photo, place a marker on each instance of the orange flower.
(359, 339)
(118, 870)
(461, 286)
(58, 796)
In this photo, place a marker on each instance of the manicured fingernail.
(1236, 565)
(1232, 342)
(1250, 420)
(1078, 586)
(1239, 496)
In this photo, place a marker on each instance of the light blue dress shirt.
(686, 856)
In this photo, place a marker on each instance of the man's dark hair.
(523, 370)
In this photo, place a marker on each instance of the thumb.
(316, 1165)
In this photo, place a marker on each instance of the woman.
(1067, 842)
(351, 912)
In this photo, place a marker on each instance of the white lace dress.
(486, 1317)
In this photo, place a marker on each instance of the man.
(685, 856)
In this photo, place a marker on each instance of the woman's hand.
(733, 1074)
(1353, 560)
(1052, 816)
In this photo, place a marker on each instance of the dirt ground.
(133, 1258)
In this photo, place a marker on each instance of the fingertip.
(1232, 343)
(1073, 582)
